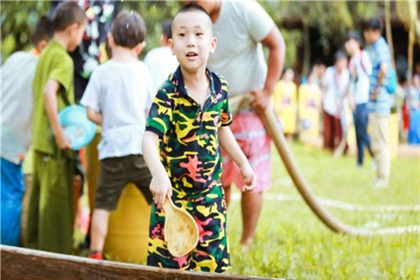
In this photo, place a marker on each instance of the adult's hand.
(261, 101)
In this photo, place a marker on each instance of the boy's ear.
(171, 45)
(213, 44)
(72, 28)
(41, 45)
(111, 41)
(138, 49)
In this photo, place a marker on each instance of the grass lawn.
(291, 242)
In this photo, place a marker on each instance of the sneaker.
(96, 256)
(380, 184)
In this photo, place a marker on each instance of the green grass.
(291, 242)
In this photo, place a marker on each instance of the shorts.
(12, 190)
(255, 142)
(115, 173)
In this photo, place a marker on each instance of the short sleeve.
(226, 115)
(326, 80)
(150, 89)
(367, 64)
(258, 21)
(60, 72)
(160, 113)
(91, 95)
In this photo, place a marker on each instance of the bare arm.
(50, 103)
(277, 49)
(229, 144)
(160, 186)
(94, 116)
(381, 75)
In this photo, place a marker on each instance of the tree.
(407, 11)
(331, 19)
(19, 17)
(17, 20)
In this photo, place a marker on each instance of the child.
(285, 102)
(379, 104)
(334, 85)
(117, 97)
(360, 69)
(16, 123)
(309, 107)
(50, 221)
(160, 61)
(188, 119)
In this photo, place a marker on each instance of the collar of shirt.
(215, 84)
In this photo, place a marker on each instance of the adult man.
(242, 28)
(379, 99)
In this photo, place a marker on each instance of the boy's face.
(371, 36)
(351, 45)
(341, 64)
(192, 39)
(76, 33)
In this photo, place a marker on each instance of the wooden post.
(20, 263)
(388, 30)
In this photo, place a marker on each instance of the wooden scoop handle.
(168, 205)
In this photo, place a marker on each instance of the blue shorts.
(12, 190)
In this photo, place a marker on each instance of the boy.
(360, 68)
(50, 210)
(117, 97)
(160, 61)
(334, 85)
(16, 126)
(188, 119)
(379, 104)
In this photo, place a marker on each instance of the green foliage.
(292, 38)
(17, 21)
(154, 13)
(331, 18)
(19, 17)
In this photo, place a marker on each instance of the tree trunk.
(388, 30)
(306, 51)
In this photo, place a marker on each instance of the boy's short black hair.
(43, 30)
(167, 28)
(128, 29)
(373, 24)
(339, 55)
(192, 6)
(66, 14)
(353, 35)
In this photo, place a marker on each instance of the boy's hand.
(160, 187)
(62, 141)
(250, 179)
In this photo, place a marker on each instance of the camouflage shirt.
(188, 133)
